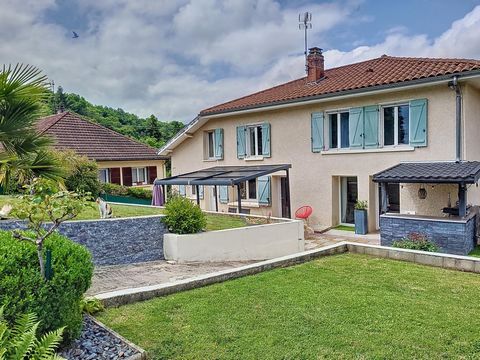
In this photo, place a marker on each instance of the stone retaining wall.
(113, 241)
(451, 236)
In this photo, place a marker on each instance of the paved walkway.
(333, 236)
(109, 278)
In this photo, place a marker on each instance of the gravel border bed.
(101, 343)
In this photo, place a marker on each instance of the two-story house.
(337, 128)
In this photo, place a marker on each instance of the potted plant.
(361, 221)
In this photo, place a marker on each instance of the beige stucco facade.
(315, 177)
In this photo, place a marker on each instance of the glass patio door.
(348, 198)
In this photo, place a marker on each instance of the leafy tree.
(81, 174)
(153, 129)
(61, 100)
(20, 342)
(23, 152)
(150, 131)
(43, 202)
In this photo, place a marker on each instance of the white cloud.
(174, 58)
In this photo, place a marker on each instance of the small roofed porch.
(455, 230)
(230, 176)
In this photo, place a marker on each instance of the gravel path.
(97, 343)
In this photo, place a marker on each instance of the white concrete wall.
(257, 242)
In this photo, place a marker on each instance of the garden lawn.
(347, 306)
(214, 222)
(93, 213)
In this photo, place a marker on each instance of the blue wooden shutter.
(241, 149)
(355, 120)
(371, 127)
(223, 194)
(418, 122)
(218, 143)
(200, 191)
(264, 191)
(181, 190)
(266, 140)
(317, 131)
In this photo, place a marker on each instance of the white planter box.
(259, 242)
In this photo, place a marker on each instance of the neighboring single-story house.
(120, 159)
(337, 128)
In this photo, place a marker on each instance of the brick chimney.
(315, 65)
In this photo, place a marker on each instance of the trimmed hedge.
(118, 190)
(57, 301)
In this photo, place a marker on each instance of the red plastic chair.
(304, 212)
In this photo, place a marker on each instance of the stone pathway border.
(455, 262)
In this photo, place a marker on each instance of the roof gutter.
(345, 94)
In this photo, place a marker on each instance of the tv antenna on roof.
(305, 21)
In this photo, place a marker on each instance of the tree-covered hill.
(149, 131)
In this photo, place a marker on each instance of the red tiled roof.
(71, 131)
(384, 70)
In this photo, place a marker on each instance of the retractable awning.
(222, 175)
(228, 176)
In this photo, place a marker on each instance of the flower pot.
(361, 222)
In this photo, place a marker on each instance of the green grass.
(344, 228)
(475, 252)
(222, 222)
(214, 222)
(340, 307)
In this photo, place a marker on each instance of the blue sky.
(173, 58)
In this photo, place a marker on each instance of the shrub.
(361, 205)
(416, 241)
(91, 305)
(56, 301)
(184, 217)
(20, 342)
(118, 190)
(81, 173)
(140, 193)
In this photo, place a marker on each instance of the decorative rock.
(97, 343)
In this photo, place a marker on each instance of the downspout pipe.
(458, 118)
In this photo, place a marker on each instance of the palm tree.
(23, 152)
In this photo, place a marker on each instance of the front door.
(348, 198)
(284, 197)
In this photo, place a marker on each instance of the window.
(339, 130)
(139, 176)
(396, 121)
(248, 190)
(210, 144)
(104, 175)
(194, 190)
(254, 141)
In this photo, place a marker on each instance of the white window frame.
(207, 145)
(137, 170)
(247, 191)
(248, 154)
(339, 128)
(395, 124)
(107, 176)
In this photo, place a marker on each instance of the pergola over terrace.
(455, 233)
(227, 176)
(462, 173)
